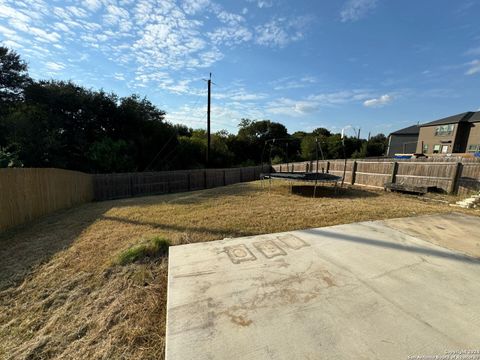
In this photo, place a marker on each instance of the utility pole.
(209, 81)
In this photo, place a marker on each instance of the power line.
(208, 118)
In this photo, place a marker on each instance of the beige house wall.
(427, 137)
(474, 137)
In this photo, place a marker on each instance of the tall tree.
(13, 80)
(13, 76)
(253, 134)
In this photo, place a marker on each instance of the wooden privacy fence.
(115, 186)
(26, 194)
(459, 177)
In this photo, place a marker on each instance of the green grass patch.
(152, 248)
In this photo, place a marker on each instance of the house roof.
(411, 130)
(463, 117)
(475, 117)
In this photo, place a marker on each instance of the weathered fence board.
(26, 194)
(469, 178)
(443, 173)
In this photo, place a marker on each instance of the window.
(444, 130)
(444, 149)
(473, 148)
(425, 148)
(436, 149)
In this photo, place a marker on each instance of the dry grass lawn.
(63, 295)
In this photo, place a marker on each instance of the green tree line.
(60, 124)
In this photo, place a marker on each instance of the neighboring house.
(473, 143)
(454, 134)
(403, 141)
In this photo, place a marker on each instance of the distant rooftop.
(463, 117)
(475, 117)
(411, 130)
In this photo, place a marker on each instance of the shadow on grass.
(180, 228)
(26, 246)
(190, 197)
(332, 192)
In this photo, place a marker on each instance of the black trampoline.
(315, 176)
(303, 176)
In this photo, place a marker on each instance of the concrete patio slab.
(453, 231)
(356, 291)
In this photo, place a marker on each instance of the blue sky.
(378, 65)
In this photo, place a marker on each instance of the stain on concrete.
(269, 249)
(292, 241)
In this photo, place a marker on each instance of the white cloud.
(230, 35)
(378, 102)
(7, 32)
(61, 27)
(92, 5)
(151, 38)
(313, 102)
(224, 116)
(262, 3)
(43, 35)
(293, 83)
(11, 13)
(280, 32)
(192, 7)
(54, 66)
(243, 95)
(473, 51)
(76, 11)
(474, 67)
(19, 24)
(291, 107)
(354, 10)
(11, 44)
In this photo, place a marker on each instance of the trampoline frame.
(301, 176)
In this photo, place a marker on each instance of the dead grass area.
(63, 297)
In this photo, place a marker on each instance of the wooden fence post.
(393, 176)
(224, 178)
(455, 177)
(132, 188)
(354, 171)
(328, 166)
